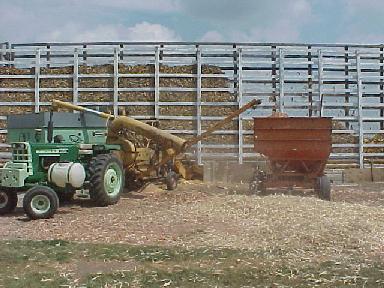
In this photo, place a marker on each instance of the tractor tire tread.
(12, 202)
(96, 171)
(44, 190)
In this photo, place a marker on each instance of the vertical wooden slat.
(235, 67)
(9, 55)
(116, 81)
(121, 52)
(346, 85)
(360, 109)
(274, 83)
(320, 80)
(381, 86)
(157, 82)
(281, 80)
(198, 101)
(240, 103)
(37, 80)
(75, 76)
(310, 83)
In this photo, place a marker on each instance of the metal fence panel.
(188, 86)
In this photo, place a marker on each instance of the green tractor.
(53, 155)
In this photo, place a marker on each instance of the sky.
(308, 21)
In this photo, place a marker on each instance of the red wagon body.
(297, 148)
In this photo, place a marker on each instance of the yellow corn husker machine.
(148, 152)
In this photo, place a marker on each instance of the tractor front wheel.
(40, 202)
(106, 179)
(8, 202)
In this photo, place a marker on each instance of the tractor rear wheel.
(8, 202)
(40, 202)
(323, 188)
(106, 179)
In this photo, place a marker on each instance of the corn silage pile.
(125, 82)
(89, 81)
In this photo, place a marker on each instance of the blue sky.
(320, 21)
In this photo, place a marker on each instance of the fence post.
(310, 82)
(346, 85)
(75, 93)
(37, 80)
(116, 81)
(273, 70)
(360, 110)
(157, 81)
(198, 101)
(320, 79)
(240, 102)
(281, 80)
(381, 86)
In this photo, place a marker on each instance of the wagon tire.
(40, 202)
(107, 179)
(253, 187)
(258, 187)
(262, 188)
(8, 201)
(323, 188)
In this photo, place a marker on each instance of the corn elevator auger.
(147, 150)
(56, 154)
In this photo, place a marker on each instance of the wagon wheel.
(257, 188)
(257, 185)
(323, 188)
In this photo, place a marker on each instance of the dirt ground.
(214, 215)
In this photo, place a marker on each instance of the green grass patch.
(54, 263)
(35, 280)
(22, 251)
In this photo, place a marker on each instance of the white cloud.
(252, 21)
(143, 31)
(151, 32)
(212, 36)
(286, 26)
(73, 20)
